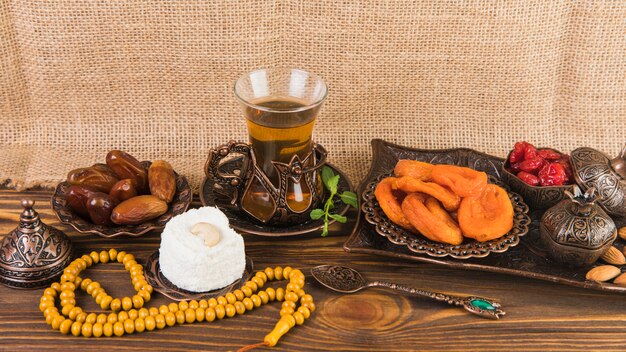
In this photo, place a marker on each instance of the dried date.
(126, 166)
(162, 180)
(138, 209)
(95, 177)
(123, 190)
(100, 206)
(76, 198)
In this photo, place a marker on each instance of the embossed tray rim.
(353, 245)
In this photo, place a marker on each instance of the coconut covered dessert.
(200, 252)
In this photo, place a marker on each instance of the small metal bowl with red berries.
(540, 175)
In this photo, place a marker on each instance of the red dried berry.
(514, 168)
(528, 178)
(517, 155)
(530, 152)
(532, 165)
(553, 174)
(564, 161)
(549, 154)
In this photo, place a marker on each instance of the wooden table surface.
(540, 315)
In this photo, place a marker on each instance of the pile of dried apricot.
(445, 203)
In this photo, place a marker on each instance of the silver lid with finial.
(34, 254)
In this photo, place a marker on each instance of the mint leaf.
(317, 214)
(327, 174)
(342, 219)
(332, 184)
(349, 198)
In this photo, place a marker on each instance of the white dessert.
(200, 252)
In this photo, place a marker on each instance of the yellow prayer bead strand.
(127, 315)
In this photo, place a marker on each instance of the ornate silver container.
(576, 231)
(33, 254)
(593, 168)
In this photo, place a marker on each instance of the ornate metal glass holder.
(33, 254)
(235, 181)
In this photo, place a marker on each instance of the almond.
(603, 273)
(622, 233)
(620, 280)
(614, 256)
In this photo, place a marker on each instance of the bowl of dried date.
(540, 175)
(122, 197)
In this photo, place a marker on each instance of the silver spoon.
(347, 280)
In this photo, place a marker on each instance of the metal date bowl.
(420, 244)
(180, 203)
(537, 197)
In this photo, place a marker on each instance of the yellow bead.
(297, 281)
(182, 305)
(138, 301)
(193, 304)
(120, 256)
(136, 268)
(66, 309)
(212, 302)
(68, 302)
(247, 303)
(107, 329)
(118, 328)
(65, 326)
(121, 316)
(140, 325)
(264, 297)
(278, 273)
(170, 319)
(97, 291)
(98, 328)
(289, 304)
(291, 296)
(153, 311)
(204, 304)
(219, 311)
(180, 317)
(68, 286)
(230, 310)
(133, 314)
(230, 298)
(295, 273)
(300, 293)
(200, 314)
(87, 260)
(258, 281)
(160, 321)
(112, 254)
(116, 305)
(240, 307)
(81, 317)
(68, 278)
(271, 293)
(256, 300)
(292, 287)
(112, 318)
(269, 272)
(86, 282)
(128, 258)
(150, 323)
(222, 300)
(299, 318)
(309, 305)
(261, 275)
(286, 311)
(105, 303)
(92, 286)
(56, 322)
(143, 313)
(78, 280)
(76, 328)
(95, 257)
(129, 326)
(190, 316)
(87, 329)
(45, 304)
(91, 318)
(50, 310)
(50, 318)
(247, 291)
(253, 286)
(286, 271)
(66, 294)
(173, 307)
(164, 309)
(50, 292)
(104, 257)
(306, 298)
(129, 263)
(127, 303)
(209, 314)
(100, 296)
(239, 295)
(146, 287)
(56, 286)
(280, 294)
(102, 318)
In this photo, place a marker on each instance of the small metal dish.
(537, 197)
(420, 244)
(180, 203)
(161, 284)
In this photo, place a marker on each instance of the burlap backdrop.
(154, 78)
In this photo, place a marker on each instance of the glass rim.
(312, 105)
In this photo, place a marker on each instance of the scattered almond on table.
(614, 256)
(603, 273)
(622, 233)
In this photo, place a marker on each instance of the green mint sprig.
(330, 182)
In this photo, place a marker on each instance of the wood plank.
(540, 315)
